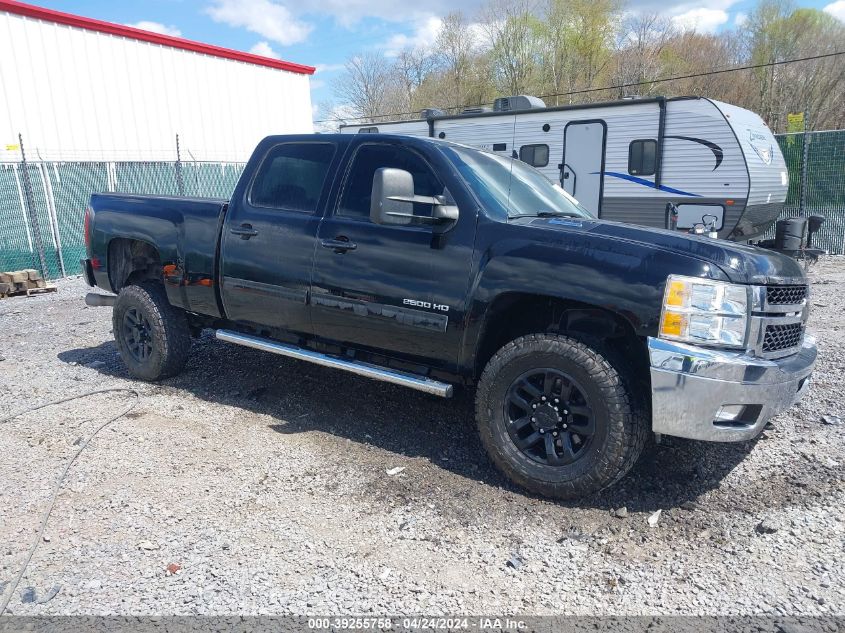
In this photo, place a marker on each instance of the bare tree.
(456, 48)
(595, 23)
(368, 86)
(411, 67)
(640, 45)
(555, 55)
(777, 32)
(576, 44)
(570, 51)
(512, 33)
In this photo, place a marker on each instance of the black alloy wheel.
(137, 334)
(549, 417)
(152, 336)
(558, 417)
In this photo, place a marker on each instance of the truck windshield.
(510, 188)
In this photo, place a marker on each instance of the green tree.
(512, 32)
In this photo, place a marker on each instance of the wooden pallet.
(35, 291)
(23, 283)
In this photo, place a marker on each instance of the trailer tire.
(152, 336)
(557, 418)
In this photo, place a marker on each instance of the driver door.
(398, 289)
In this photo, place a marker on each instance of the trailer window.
(508, 188)
(368, 130)
(534, 155)
(291, 176)
(642, 157)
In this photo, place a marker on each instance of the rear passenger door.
(267, 243)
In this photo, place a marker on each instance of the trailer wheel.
(557, 417)
(152, 336)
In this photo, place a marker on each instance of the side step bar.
(420, 383)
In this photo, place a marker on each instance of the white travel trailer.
(626, 160)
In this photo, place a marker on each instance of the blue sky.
(323, 33)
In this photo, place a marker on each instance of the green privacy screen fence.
(816, 163)
(42, 203)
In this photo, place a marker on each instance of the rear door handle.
(340, 244)
(245, 231)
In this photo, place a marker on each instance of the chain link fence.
(816, 163)
(42, 203)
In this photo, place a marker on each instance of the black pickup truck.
(432, 265)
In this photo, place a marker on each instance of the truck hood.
(741, 263)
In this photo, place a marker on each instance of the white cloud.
(328, 118)
(423, 36)
(265, 50)
(702, 19)
(836, 9)
(348, 12)
(741, 18)
(157, 27)
(262, 16)
(316, 84)
(677, 7)
(328, 68)
(269, 19)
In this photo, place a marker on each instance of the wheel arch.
(132, 260)
(514, 314)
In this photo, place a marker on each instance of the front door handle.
(340, 244)
(245, 231)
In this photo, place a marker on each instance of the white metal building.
(84, 89)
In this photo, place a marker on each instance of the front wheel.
(557, 417)
(152, 336)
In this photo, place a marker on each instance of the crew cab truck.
(433, 265)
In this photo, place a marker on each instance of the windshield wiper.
(555, 214)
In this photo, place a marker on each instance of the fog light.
(730, 413)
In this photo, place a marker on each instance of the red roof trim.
(91, 24)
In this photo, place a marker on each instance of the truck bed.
(184, 231)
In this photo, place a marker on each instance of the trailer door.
(582, 170)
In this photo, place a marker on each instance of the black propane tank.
(791, 234)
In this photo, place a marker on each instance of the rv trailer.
(627, 160)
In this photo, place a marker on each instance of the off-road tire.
(620, 418)
(169, 334)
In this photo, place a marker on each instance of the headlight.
(703, 311)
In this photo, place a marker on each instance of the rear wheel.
(557, 417)
(152, 336)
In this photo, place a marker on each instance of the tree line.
(579, 51)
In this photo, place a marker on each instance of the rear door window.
(291, 177)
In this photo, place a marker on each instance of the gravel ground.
(265, 481)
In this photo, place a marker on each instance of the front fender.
(622, 277)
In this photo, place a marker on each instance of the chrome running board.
(420, 383)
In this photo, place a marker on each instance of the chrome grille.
(780, 337)
(785, 295)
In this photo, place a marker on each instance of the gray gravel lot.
(265, 481)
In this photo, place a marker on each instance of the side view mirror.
(392, 200)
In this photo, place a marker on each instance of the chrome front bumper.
(719, 395)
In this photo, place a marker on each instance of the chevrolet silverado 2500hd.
(429, 264)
